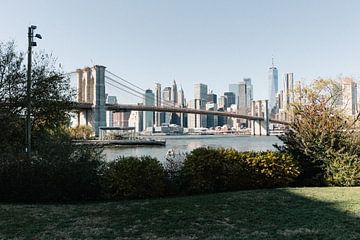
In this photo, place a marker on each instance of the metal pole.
(28, 95)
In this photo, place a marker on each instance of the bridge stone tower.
(91, 89)
(260, 108)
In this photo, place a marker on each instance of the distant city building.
(249, 92)
(182, 104)
(167, 96)
(200, 91)
(242, 98)
(349, 96)
(273, 85)
(136, 120)
(109, 114)
(288, 82)
(174, 94)
(235, 88)
(211, 120)
(167, 102)
(158, 103)
(199, 102)
(230, 99)
(181, 98)
(121, 119)
(211, 97)
(223, 101)
(149, 116)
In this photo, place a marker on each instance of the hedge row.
(86, 177)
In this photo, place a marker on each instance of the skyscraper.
(235, 88)
(273, 85)
(231, 99)
(211, 97)
(181, 98)
(167, 102)
(288, 89)
(157, 103)
(167, 96)
(200, 91)
(174, 94)
(242, 104)
(149, 101)
(249, 92)
(109, 114)
(349, 96)
(199, 102)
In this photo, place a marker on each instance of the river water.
(186, 143)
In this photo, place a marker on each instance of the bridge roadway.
(126, 107)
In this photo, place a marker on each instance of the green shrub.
(273, 169)
(214, 170)
(207, 170)
(133, 177)
(343, 170)
(69, 175)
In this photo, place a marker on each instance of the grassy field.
(303, 213)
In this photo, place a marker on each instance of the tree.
(58, 170)
(51, 100)
(320, 132)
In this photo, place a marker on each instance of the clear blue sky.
(208, 41)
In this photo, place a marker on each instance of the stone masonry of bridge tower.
(91, 89)
(260, 108)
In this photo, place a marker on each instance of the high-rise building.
(231, 99)
(249, 92)
(109, 114)
(149, 116)
(235, 88)
(242, 103)
(158, 103)
(288, 82)
(199, 102)
(200, 91)
(167, 96)
(273, 85)
(136, 120)
(211, 97)
(167, 102)
(182, 104)
(174, 94)
(222, 102)
(211, 120)
(349, 96)
(181, 98)
(121, 119)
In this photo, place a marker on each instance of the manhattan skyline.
(208, 42)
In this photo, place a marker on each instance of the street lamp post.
(31, 44)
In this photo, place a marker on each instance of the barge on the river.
(133, 142)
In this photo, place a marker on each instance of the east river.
(186, 143)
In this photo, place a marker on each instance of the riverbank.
(290, 213)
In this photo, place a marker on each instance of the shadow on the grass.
(310, 213)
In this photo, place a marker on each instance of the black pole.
(28, 95)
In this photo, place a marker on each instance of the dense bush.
(319, 134)
(133, 177)
(343, 170)
(60, 177)
(214, 170)
(208, 170)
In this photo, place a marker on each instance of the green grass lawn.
(303, 213)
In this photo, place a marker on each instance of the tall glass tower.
(273, 86)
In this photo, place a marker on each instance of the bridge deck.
(124, 107)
